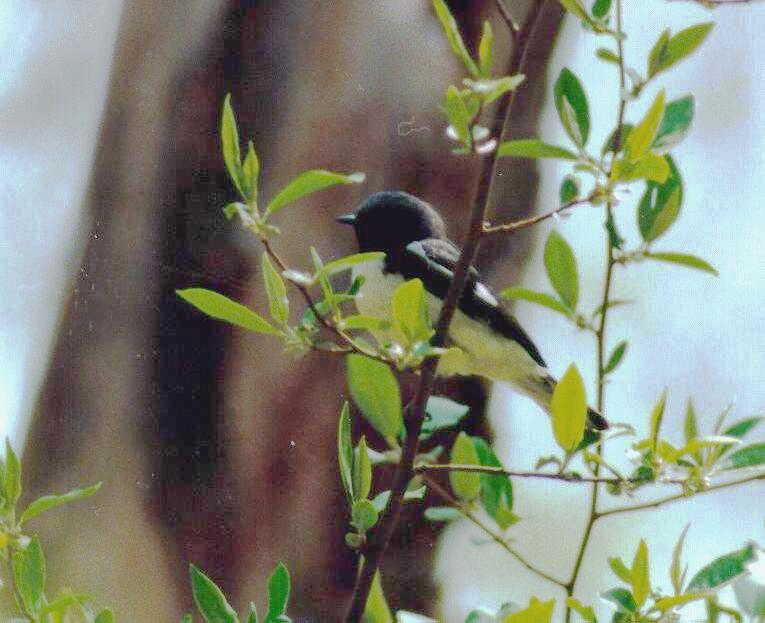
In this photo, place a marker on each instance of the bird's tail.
(595, 420)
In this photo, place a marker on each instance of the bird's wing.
(433, 261)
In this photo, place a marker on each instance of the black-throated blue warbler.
(491, 342)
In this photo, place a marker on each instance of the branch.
(511, 24)
(379, 539)
(508, 228)
(466, 512)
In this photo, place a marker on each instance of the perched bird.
(491, 342)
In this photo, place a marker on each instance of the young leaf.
(560, 264)
(533, 148)
(571, 103)
(721, 570)
(496, 490)
(449, 25)
(639, 575)
(410, 312)
(466, 485)
(345, 451)
(668, 603)
(742, 427)
(442, 514)
(616, 357)
(12, 483)
(642, 135)
(660, 204)
(622, 598)
(669, 51)
(657, 415)
(376, 392)
(29, 575)
(308, 183)
(363, 515)
(349, 261)
(748, 456)
(250, 173)
(442, 413)
(106, 616)
(620, 570)
(677, 571)
(229, 137)
(675, 125)
(211, 602)
(683, 259)
(278, 303)
(486, 51)
(365, 323)
(569, 409)
(458, 115)
(600, 8)
(607, 55)
(657, 54)
(40, 505)
(252, 614)
(569, 189)
(537, 612)
(376, 609)
(587, 613)
(362, 471)
(651, 167)
(540, 298)
(278, 594)
(223, 308)
(691, 429)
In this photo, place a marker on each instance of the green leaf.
(442, 514)
(576, 8)
(721, 570)
(540, 298)
(278, 593)
(533, 148)
(691, 429)
(600, 8)
(376, 609)
(657, 415)
(742, 427)
(345, 451)
(229, 137)
(569, 189)
(40, 505)
(675, 124)
(442, 413)
(571, 103)
(252, 614)
(488, 91)
(676, 570)
(410, 312)
(560, 264)
(486, 51)
(669, 51)
(375, 390)
(611, 146)
(587, 613)
(667, 603)
(640, 139)
(607, 55)
(211, 602)
(106, 616)
(12, 477)
(466, 485)
(449, 25)
(458, 115)
(651, 167)
(660, 204)
(223, 308)
(308, 183)
(278, 303)
(569, 409)
(29, 575)
(622, 598)
(496, 490)
(349, 261)
(187, 618)
(620, 570)
(362, 471)
(360, 322)
(748, 456)
(616, 357)
(537, 612)
(363, 515)
(250, 173)
(639, 575)
(614, 237)
(683, 259)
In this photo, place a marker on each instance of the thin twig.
(497, 538)
(511, 24)
(513, 226)
(379, 539)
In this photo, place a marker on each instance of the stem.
(497, 538)
(507, 228)
(380, 538)
(601, 330)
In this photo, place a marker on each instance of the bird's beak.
(347, 219)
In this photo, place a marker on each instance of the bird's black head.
(390, 220)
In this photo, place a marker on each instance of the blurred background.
(216, 448)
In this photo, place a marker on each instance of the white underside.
(482, 351)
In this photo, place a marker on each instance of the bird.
(490, 342)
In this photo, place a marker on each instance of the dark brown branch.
(415, 416)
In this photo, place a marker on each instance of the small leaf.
(651, 167)
(533, 148)
(380, 501)
(363, 515)
(676, 571)
(442, 514)
(657, 415)
(569, 189)
(106, 616)
(210, 600)
(229, 136)
(667, 603)
(537, 612)
(12, 482)
(40, 505)
(250, 173)
(491, 90)
(569, 409)
(616, 357)
(308, 183)
(496, 490)
(362, 471)
(540, 298)
(29, 575)
(587, 613)
(278, 303)
(278, 593)
(691, 429)
(721, 570)
(449, 25)
(657, 54)
(640, 581)
(675, 124)
(620, 570)
(223, 308)
(410, 312)
(571, 103)
(607, 55)
(466, 485)
(660, 205)
(677, 47)
(442, 413)
(252, 614)
(349, 261)
(600, 8)
(376, 609)
(375, 390)
(622, 598)
(748, 456)
(365, 323)
(560, 264)
(683, 259)
(486, 51)
(458, 115)
(345, 451)
(642, 135)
